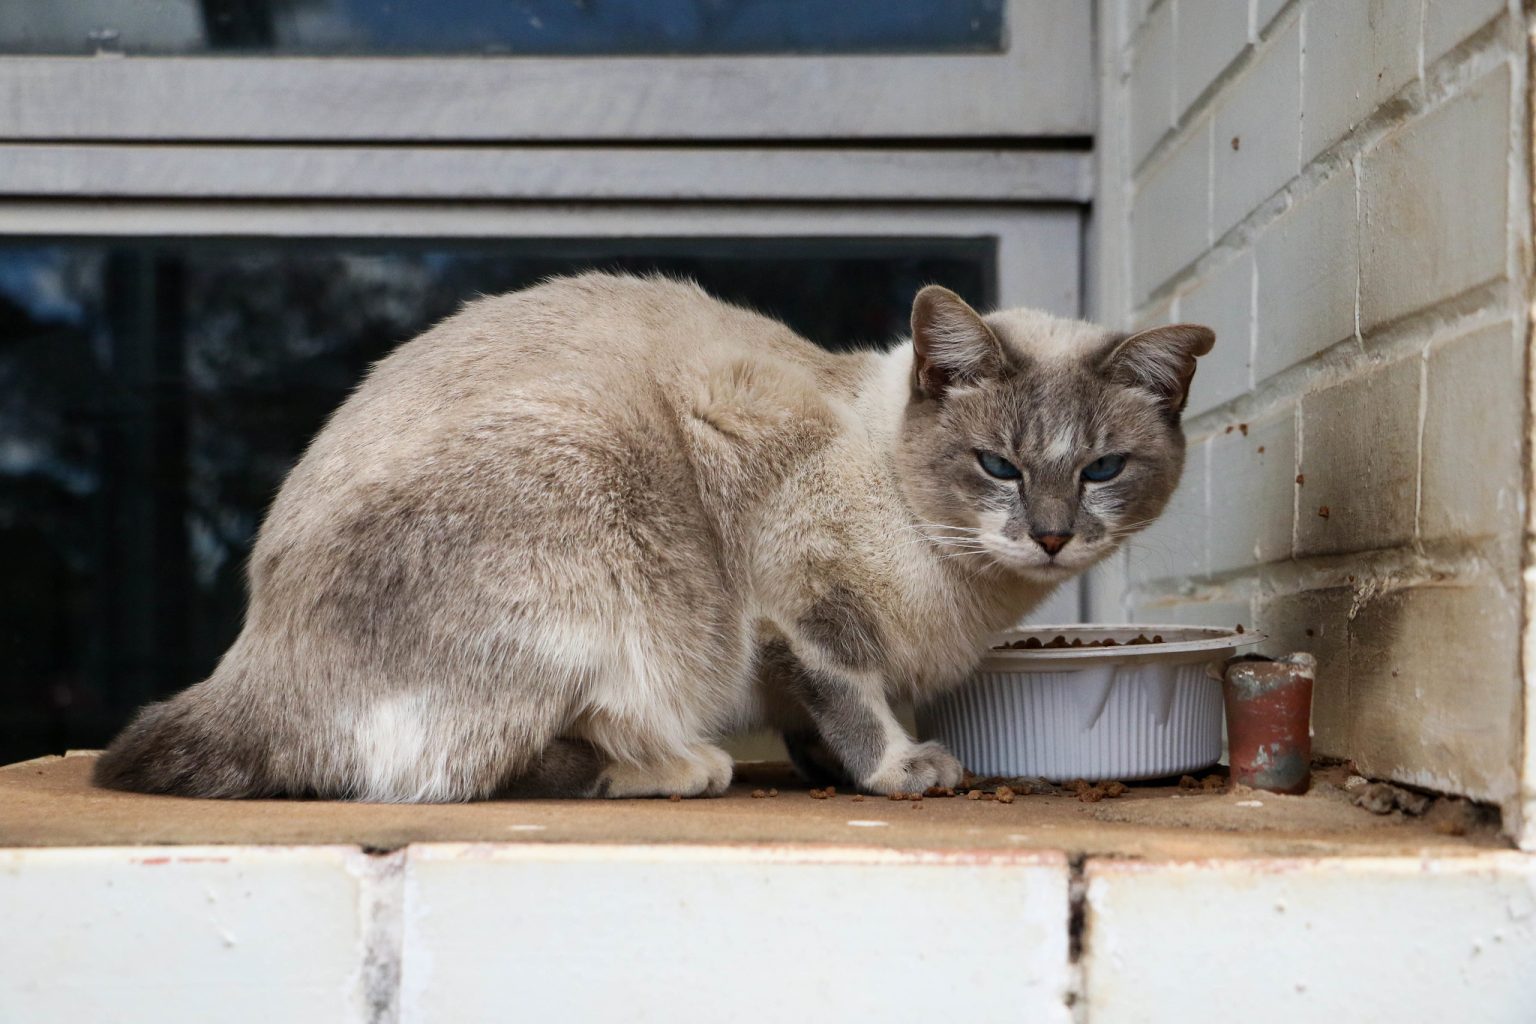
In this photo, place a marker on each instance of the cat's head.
(1038, 444)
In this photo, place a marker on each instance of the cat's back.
(595, 329)
(596, 367)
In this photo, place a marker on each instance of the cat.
(569, 538)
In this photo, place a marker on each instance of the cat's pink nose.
(1052, 542)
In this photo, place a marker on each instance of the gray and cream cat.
(569, 538)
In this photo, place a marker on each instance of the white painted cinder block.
(1358, 54)
(1434, 687)
(1264, 12)
(1174, 546)
(157, 934)
(1135, 11)
(1473, 412)
(1308, 270)
(1448, 22)
(1434, 202)
(1253, 493)
(1360, 459)
(679, 934)
(1223, 301)
(1364, 940)
(1170, 216)
(1209, 35)
(1257, 124)
(1151, 84)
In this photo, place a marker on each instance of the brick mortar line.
(1444, 562)
(1257, 38)
(1202, 104)
(381, 899)
(1474, 57)
(1520, 819)
(1133, 39)
(1353, 357)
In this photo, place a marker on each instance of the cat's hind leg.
(575, 769)
(703, 770)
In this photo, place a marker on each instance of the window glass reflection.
(520, 27)
(153, 395)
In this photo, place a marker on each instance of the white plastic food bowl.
(1090, 712)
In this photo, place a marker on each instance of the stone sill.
(50, 802)
(1145, 907)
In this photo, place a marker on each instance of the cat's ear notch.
(1160, 360)
(951, 344)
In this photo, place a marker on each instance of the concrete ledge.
(683, 934)
(1159, 905)
(1371, 939)
(220, 933)
(50, 802)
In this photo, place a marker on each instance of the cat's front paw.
(914, 769)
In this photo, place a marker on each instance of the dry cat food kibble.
(1004, 795)
(1059, 642)
(675, 797)
(759, 794)
(938, 791)
(824, 794)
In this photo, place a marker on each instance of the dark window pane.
(525, 27)
(153, 395)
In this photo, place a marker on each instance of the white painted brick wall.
(1448, 22)
(183, 934)
(1252, 492)
(1359, 458)
(1264, 12)
(1308, 272)
(1302, 941)
(1340, 191)
(1471, 469)
(1223, 300)
(1440, 708)
(681, 934)
(568, 931)
(1208, 35)
(1257, 122)
(1152, 84)
(1433, 204)
(1171, 211)
(1358, 54)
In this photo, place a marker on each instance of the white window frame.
(465, 147)
(1040, 84)
(1029, 239)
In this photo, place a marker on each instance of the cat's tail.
(171, 748)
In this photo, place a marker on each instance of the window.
(200, 254)
(504, 27)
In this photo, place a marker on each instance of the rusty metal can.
(1269, 722)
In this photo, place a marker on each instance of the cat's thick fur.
(567, 539)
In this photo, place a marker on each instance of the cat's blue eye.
(997, 466)
(1106, 468)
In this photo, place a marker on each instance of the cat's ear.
(950, 343)
(1160, 360)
